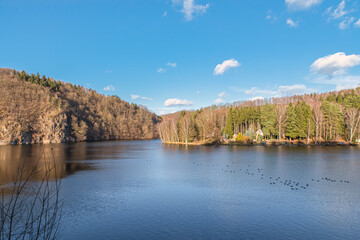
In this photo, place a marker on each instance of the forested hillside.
(38, 109)
(311, 118)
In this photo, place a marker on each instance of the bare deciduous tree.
(353, 117)
(281, 104)
(185, 127)
(315, 106)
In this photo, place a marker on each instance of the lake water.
(148, 190)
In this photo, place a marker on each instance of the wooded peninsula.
(326, 118)
(39, 109)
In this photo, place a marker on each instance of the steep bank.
(36, 109)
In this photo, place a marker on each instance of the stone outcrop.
(48, 130)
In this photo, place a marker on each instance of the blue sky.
(185, 54)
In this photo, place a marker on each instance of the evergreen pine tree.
(229, 127)
(302, 113)
(268, 120)
(291, 128)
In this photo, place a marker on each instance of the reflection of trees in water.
(28, 209)
(57, 156)
(30, 206)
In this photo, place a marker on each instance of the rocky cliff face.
(48, 130)
(34, 111)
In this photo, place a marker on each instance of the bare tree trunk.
(186, 127)
(279, 128)
(308, 133)
(317, 113)
(281, 105)
(353, 116)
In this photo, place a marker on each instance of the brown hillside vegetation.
(36, 109)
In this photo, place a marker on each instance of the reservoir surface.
(149, 190)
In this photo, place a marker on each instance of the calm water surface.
(147, 190)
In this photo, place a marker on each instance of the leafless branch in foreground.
(30, 206)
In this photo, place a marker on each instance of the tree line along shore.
(310, 119)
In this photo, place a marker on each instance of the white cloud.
(198, 92)
(301, 4)
(291, 23)
(344, 24)
(281, 91)
(338, 12)
(189, 8)
(219, 101)
(222, 94)
(354, 83)
(333, 69)
(165, 14)
(165, 110)
(270, 16)
(177, 102)
(294, 90)
(134, 97)
(226, 65)
(336, 64)
(256, 98)
(171, 64)
(109, 88)
(221, 98)
(256, 91)
(339, 81)
(357, 23)
(161, 70)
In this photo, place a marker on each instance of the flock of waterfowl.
(292, 184)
